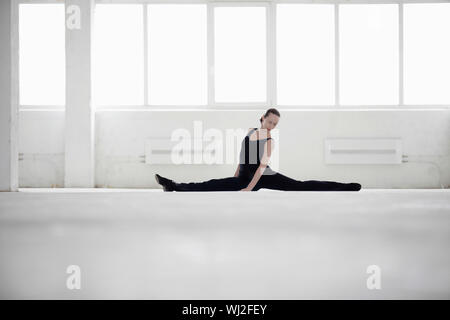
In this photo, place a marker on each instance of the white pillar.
(9, 160)
(79, 128)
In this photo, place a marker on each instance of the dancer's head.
(270, 119)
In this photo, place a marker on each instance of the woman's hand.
(247, 189)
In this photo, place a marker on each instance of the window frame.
(271, 6)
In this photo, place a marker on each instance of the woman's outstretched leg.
(279, 181)
(223, 184)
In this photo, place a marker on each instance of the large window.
(427, 53)
(118, 60)
(240, 54)
(177, 55)
(41, 54)
(305, 54)
(150, 54)
(369, 54)
(245, 54)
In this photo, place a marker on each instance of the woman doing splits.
(253, 171)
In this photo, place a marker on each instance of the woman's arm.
(264, 162)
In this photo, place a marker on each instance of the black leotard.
(250, 156)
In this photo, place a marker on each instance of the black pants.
(275, 181)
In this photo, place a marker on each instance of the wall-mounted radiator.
(363, 151)
(159, 150)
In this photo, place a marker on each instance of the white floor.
(147, 244)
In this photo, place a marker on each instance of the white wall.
(41, 148)
(121, 135)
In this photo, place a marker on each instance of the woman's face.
(270, 121)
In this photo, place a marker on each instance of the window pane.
(240, 54)
(368, 54)
(177, 54)
(118, 64)
(41, 54)
(427, 52)
(305, 54)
